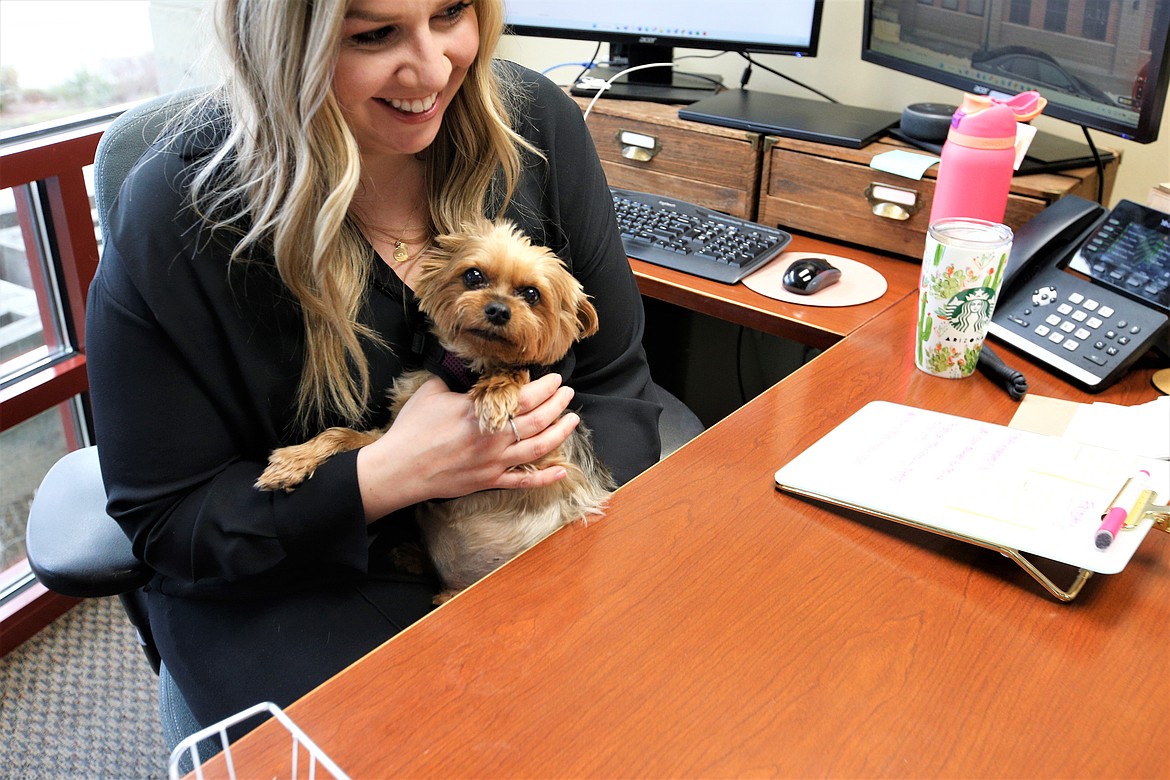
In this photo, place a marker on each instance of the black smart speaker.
(927, 121)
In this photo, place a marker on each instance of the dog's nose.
(497, 313)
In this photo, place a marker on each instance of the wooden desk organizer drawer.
(646, 147)
(830, 191)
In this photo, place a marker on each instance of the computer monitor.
(1101, 64)
(647, 31)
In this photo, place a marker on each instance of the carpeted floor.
(79, 700)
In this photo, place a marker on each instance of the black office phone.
(1089, 326)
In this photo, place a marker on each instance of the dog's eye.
(474, 279)
(530, 295)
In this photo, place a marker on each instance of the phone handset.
(1050, 238)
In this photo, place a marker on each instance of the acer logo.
(648, 39)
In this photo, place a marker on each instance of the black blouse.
(194, 363)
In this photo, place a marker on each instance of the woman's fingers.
(532, 449)
(526, 479)
(525, 426)
(437, 435)
(538, 392)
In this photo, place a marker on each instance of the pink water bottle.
(978, 158)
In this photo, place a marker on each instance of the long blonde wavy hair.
(287, 172)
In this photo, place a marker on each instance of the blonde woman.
(256, 288)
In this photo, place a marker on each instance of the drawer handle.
(891, 202)
(637, 146)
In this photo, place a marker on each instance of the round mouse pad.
(858, 284)
(1161, 380)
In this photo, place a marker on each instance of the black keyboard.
(693, 239)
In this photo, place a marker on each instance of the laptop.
(1047, 153)
(791, 117)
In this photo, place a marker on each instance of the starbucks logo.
(970, 310)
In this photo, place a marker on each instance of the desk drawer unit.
(831, 191)
(646, 147)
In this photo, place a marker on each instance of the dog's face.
(497, 300)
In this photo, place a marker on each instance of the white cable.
(606, 84)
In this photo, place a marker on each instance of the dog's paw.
(493, 418)
(493, 410)
(444, 596)
(292, 465)
(286, 470)
(496, 399)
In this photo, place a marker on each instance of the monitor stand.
(683, 88)
(1047, 154)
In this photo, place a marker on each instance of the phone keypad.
(1077, 324)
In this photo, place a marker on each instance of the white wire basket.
(305, 758)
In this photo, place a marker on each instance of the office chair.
(74, 547)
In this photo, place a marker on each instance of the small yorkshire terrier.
(504, 306)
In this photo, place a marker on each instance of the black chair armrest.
(74, 547)
(678, 424)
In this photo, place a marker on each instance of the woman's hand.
(435, 449)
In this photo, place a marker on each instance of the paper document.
(1143, 429)
(1015, 489)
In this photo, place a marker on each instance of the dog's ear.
(445, 247)
(479, 227)
(586, 317)
(448, 245)
(432, 271)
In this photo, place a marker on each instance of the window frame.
(56, 221)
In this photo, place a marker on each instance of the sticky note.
(911, 165)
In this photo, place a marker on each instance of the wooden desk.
(711, 626)
(815, 326)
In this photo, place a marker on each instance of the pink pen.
(1120, 510)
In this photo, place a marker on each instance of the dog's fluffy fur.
(502, 304)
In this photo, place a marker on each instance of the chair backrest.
(127, 138)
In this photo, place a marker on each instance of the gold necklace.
(401, 251)
(401, 247)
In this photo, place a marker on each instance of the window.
(42, 373)
(29, 449)
(1020, 12)
(68, 57)
(31, 327)
(58, 61)
(1095, 26)
(1056, 16)
(1053, 76)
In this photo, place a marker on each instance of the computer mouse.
(810, 275)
